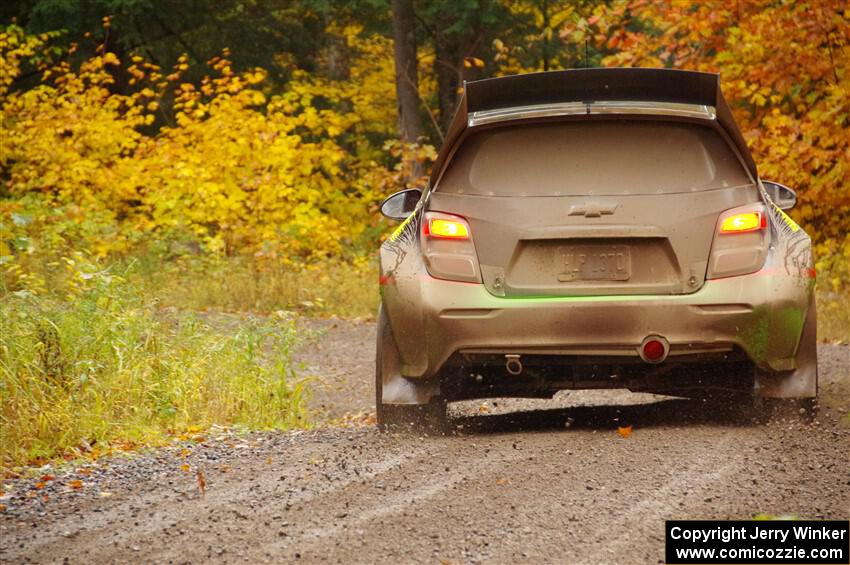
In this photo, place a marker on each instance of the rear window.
(593, 157)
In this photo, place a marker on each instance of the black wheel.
(427, 418)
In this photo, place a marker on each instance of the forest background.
(164, 159)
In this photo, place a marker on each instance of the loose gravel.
(518, 481)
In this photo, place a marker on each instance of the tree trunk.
(448, 80)
(406, 79)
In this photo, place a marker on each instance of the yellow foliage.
(784, 69)
(233, 167)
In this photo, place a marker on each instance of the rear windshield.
(593, 157)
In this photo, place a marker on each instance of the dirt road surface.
(518, 481)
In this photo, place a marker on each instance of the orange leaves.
(74, 484)
(473, 62)
(109, 58)
(43, 481)
(202, 481)
(625, 431)
(791, 98)
(190, 434)
(185, 467)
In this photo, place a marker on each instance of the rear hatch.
(593, 207)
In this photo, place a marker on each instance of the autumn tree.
(785, 68)
(406, 74)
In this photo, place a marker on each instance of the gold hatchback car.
(590, 229)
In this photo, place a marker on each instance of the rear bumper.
(762, 314)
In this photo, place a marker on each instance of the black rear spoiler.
(593, 85)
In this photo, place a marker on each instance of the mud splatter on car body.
(596, 228)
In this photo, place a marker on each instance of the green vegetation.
(833, 316)
(97, 362)
(164, 161)
(200, 283)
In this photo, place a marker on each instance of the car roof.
(661, 92)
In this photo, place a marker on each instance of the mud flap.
(391, 386)
(802, 382)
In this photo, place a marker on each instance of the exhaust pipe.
(513, 364)
(654, 349)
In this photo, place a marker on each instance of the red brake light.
(744, 222)
(446, 229)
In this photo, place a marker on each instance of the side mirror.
(401, 204)
(782, 196)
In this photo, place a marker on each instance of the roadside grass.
(333, 287)
(104, 365)
(834, 316)
(136, 353)
(338, 288)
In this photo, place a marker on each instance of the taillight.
(740, 243)
(744, 222)
(448, 249)
(447, 229)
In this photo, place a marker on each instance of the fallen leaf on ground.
(501, 481)
(202, 482)
(40, 486)
(224, 468)
(185, 452)
(184, 467)
(46, 478)
(269, 461)
(625, 431)
(105, 494)
(2, 507)
(75, 484)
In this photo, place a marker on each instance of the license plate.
(594, 263)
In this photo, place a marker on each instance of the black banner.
(744, 542)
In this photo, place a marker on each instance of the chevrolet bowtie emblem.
(592, 209)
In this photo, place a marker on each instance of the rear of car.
(577, 234)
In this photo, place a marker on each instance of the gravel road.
(519, 481)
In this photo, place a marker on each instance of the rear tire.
(427, 418)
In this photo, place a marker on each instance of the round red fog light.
(654, 349)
